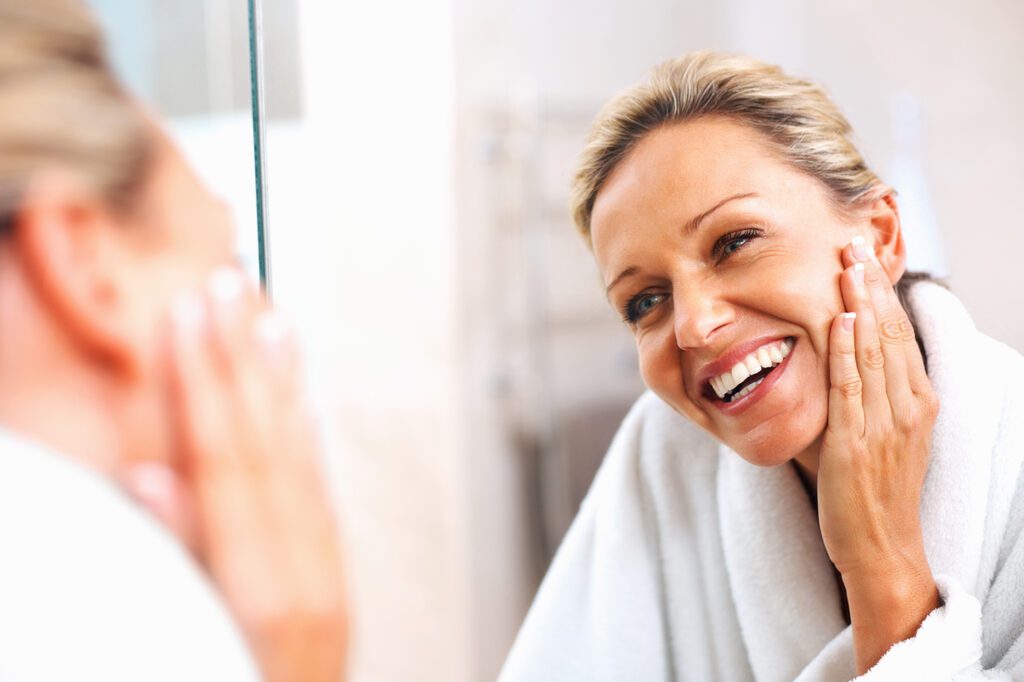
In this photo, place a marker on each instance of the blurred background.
(417, 170)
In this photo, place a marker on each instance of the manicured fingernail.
(847, 322)
(273, 332)
(859, 248)
(858, 273)
(226, 285)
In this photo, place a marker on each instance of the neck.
(71, 422)
(806, 464)
(53, 393)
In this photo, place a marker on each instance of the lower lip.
(746, 402)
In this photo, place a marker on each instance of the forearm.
(887, 605)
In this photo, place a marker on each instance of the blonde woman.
(824, 481)
(103, 392)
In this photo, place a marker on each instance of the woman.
(851, 503)
(102, 391)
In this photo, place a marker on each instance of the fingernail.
(273, 332)
(226, 285)
(858, 273)
(859, 248)
(847, 322)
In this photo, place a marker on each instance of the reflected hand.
(262, 521)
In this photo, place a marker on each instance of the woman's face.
(713, 247)
(178, 234)
(181, 233)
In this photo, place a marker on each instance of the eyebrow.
(692, 226)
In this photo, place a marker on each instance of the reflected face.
(173, 238)
(181, 232)
(717, 253)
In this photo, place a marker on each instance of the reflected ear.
(65, 239)
(884, 218)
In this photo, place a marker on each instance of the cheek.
(661, 370)
(656, 362)
(806, 292)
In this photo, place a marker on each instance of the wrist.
(888, 606)
(891, 589)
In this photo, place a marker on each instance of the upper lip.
(728, 360)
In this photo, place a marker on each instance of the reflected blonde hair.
(796, 117)
(61, 105)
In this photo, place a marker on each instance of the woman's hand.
(259, 515)
(873, 461)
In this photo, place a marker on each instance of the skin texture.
(200, 415)
(852, 411)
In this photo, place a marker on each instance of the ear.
(887, 233)
(65, 237)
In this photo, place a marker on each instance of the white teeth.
(739, 373)
(728, 383)
(765, 357)
(747, 389)
(753, 366)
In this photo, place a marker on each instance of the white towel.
(93, 589)
(688, 563)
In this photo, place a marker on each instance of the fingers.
(904, 366)
(868, 351)
(216, 391)
(845, 404)
(266, 530)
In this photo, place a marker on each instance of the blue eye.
(734, 245)
(733, 242)
(640, 305)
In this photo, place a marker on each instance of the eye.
(733, 242)
(640, 305)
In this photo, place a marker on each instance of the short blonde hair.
(61, 106)
(796, 117)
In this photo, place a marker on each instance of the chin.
(778, 447)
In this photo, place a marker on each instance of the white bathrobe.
(688, 563)
(93, 589)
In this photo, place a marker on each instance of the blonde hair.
(61, 106)
(796, 117)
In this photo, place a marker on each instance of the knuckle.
(904, 420)
(873, 357)
(896, 327)
(850, 388)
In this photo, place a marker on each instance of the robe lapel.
(786, 595)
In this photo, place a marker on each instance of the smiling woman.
(825, 518)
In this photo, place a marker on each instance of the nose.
(698, 314)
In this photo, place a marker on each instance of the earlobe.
(61, 237)
(889, 249)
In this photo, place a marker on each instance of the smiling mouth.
(748, 374)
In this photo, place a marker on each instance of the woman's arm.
(873, 462)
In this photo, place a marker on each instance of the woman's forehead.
(678, 172)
